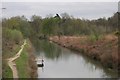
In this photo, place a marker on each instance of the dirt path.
(11, 61)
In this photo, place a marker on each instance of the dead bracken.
(104, 50)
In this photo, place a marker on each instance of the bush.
(93, 38)
(117, 33)
(12, 35)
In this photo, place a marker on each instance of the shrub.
(12, 35)
(117, 33)
(93, 38)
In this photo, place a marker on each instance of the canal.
(60, 62)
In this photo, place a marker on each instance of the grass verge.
(22, 64)
(25, 64)
(6, 71)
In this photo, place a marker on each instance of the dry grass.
(105, 49)
(31, 61)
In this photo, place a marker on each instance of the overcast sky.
(59, 0)
(87, 10)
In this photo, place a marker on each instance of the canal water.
(60, 62)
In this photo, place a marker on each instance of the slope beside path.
(11, 61)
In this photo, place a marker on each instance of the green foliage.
(36, 25)
(93, 38)
(13, 35)
(48, 25)
(61, 25)
(117, 33)
(19, 23)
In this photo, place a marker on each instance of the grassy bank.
(104, 50)
(7, 53)
(25, 64)
(22, 64)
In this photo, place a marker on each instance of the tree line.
(63, 24)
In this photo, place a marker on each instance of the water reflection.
(63, 63)
(49, 50)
